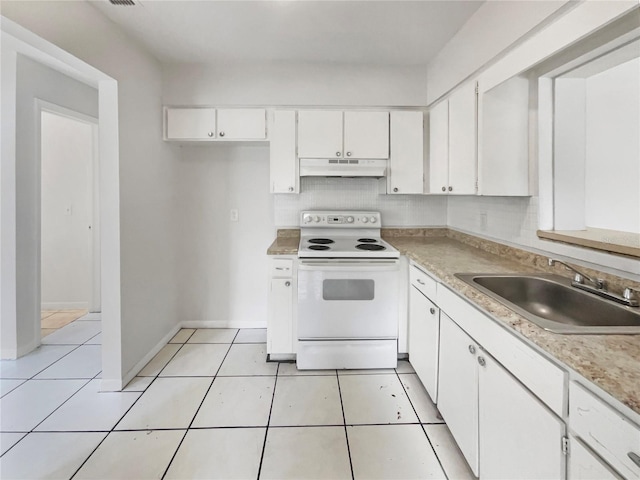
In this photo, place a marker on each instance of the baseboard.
(114, 385)
(222, 324)
(64, 306)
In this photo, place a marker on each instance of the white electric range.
(348, 287)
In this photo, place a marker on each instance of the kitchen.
(198, 193)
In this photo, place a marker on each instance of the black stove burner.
(370, 246)
(318, 247)
(367, 240)
(321, 241)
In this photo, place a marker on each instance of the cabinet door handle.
(395, 189)
(210, 134)
(432, 310)
(420, 281)
(482, 361)
(635, 458)
(291, 189)
(287, 284)
(444, 189)
(348, 154)
(451, 189)
(338, 154)
(472, 349)
(222, 134)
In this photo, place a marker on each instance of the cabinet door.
(584, 465)
(191, 123)
(242, 124)
(424, 339)
(438, 164)
(319, 134)
(458, 388)
(366, 134)
(280, 323)
(462, 141)
(283, 163)
(519, 437)
(406, 159)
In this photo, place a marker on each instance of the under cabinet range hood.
(342, 167)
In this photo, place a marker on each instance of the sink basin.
(552, 303)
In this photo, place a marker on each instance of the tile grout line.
(201, 402)
(421, 425)
(344, 419)
(266, 431)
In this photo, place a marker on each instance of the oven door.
(348, 299)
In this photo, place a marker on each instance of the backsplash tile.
(326, 193)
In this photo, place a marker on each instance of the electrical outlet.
(234, 215)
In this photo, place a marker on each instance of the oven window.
(337, 289)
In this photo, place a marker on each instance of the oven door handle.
(379, 266)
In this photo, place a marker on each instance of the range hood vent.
(333, 167)
(124, 3)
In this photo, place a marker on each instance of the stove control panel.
(339, 219)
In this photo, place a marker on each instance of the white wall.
(67, 212)
(223, 264)
(147, 165)
(293, 84)
(489, 32)
(612, 172)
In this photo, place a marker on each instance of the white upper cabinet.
(242, 124)
(452, 166)
(319, 134)
(462, 141)
(366, 134)
(282, 152)
(210, 124)
(406, 159)
(190, 123)
(337, 134)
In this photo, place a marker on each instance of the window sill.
(612, 241)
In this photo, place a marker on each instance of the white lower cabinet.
(502, 429)
(281, 334)
(518, 436)
(585, 465)
(424, 339)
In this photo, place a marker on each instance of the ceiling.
(382, 33)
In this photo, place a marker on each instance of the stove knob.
(349, 219)
(373, 220)
(365, 220)
(316, 219)
(306, 218)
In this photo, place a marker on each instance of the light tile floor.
(209, 406)
(52, 320)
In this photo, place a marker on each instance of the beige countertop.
(612, 362)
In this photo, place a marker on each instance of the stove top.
(343, 234)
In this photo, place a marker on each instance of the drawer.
(281, 267)
(609, 433)
(422, 282)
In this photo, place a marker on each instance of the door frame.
(16, 40)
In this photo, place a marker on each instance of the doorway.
(70, 252)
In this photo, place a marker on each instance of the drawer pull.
(420, 281)
(635, 458)
(282, 268)
(432, 311)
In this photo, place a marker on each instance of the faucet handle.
(629, 293)
(578, 278)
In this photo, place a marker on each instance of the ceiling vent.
(122, 2)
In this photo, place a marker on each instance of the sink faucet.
(599, 286)
(579, 276)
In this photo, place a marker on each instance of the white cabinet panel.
(319, 134)
(190, 123)
(283, 162)
(519, 436)
(406, 159)
(438, 164)
(458, 388)
(281, 325)
(462, 140)
(424, 340)
(366, 134)
(585, 465)
(242, 124)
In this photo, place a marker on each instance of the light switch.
(234, 214)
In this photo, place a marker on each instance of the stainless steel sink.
(552, 303)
